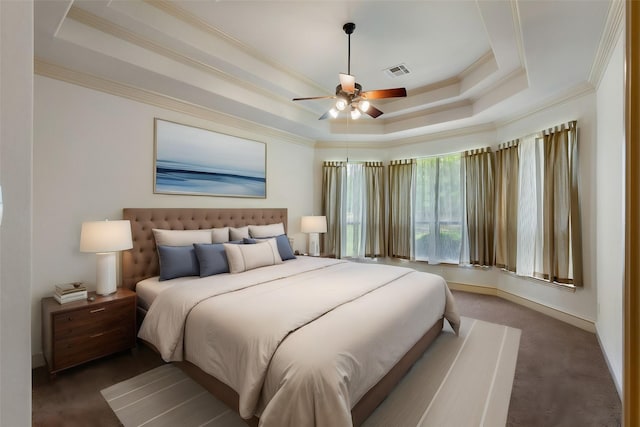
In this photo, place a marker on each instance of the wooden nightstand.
(80, 331)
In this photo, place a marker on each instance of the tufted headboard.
(141, 261)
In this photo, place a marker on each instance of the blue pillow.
(284, 247)
(212, 258)
(177, 261)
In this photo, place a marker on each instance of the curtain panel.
(402, 174)
(480, 205)
(506, 225)
(334, 176)
(375, 223)
(562, 249)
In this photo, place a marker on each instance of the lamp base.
(314, 244)
(106, 273)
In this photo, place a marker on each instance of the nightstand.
(80, 331)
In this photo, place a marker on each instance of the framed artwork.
(195, 161)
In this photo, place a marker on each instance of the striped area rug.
(459, 381)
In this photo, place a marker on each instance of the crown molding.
(172, 9)
(612, 31)
(234, 125)
(578, 91)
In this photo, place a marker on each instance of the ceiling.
(471, 63)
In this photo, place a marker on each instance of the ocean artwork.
(197, 161)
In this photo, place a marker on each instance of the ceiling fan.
(349, 93)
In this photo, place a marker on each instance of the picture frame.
(195, 161)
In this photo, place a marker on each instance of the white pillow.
(181, 237)
(239, 233)
(220, 235)
(270, 230)
(247, 257)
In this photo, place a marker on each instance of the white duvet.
(300, 342)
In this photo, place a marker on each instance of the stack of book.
(69, 292)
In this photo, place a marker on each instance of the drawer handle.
(97, 335)
(97, 310)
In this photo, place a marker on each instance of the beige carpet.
(459, 381)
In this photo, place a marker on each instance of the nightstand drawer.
(76, 350)
(92, 320)
(85, 330)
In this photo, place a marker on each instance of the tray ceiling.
(471, 63)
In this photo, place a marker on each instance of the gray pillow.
(177, 261)
(284, 247)
(212, 259)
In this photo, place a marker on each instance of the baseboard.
(606, 359)
(474, 289)
(37, 360)
(576, 321)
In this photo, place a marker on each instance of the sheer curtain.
(507, 170)
(438, 220)
(334, 176)
(549, 230)
(355, 226)
(401, 198)
(374, 182)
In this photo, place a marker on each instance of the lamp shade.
(313, 224)
(105, 236)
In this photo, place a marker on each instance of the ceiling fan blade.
(374, 112)
(348, 83)
(313, 97)
(385, 93)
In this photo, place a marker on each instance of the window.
(438, 217)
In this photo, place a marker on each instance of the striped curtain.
(402, 174)
(562, 248)
(334, 176)
(374, 235)
(506, 226)
(479, 190)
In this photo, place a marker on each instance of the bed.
(308, 341)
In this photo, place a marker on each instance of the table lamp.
(105, 238)
(314, 225)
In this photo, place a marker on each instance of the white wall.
(16, 143)
(93, 156)
(610, 211)
(582, 302)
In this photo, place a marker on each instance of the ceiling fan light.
(333, 113)
(355, 114)
(341, 104)
(364, 105)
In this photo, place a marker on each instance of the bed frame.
(141, 262)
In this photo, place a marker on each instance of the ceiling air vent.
(397, 70)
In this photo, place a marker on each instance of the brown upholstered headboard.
(141, 261)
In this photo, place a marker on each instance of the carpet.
(461, 380)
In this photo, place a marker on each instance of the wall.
(580, 304)
(93, 156)
(16, 143)
(610, 197)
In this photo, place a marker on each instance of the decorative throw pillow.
(220, 235)
(262, 231)
(177, 261)
(284, 247)
(212, 259)
(238, 233)
(247, 257)
(181, 237)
